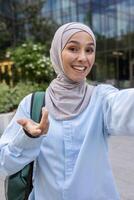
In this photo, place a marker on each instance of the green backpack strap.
(19, 185)
(37, 102)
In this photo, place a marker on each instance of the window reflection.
(111, 20)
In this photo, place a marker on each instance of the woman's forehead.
(81, 36)
(68, 33)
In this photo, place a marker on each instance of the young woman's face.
(78, 56)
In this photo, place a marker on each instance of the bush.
(5, 98)
(31, 63)
(11, 97)
(23, 89)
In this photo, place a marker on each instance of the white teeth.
(80, 68)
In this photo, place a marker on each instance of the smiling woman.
(78, 56)
(70, 143)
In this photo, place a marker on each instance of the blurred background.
(35, 21)
(27, 28)
(26, 31)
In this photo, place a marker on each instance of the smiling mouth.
(79, 68)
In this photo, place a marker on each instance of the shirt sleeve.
(118, 110)
(16, 148)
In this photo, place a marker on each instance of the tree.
(4, 38)
(22, 20)
(38, 28)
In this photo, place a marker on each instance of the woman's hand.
(33, 128)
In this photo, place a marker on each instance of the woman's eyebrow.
(73, 41)
(76, 42)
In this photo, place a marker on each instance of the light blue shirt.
(72, 161)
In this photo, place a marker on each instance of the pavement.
(122, 160)
(121, 150)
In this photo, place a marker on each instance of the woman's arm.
(119, 112)
(16, 148)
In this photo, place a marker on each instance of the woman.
(70, 143)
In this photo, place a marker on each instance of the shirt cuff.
(23, 141)
(29, 135)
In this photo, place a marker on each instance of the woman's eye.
(73, 49)
(90, 50)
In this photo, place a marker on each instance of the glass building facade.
(112, 23)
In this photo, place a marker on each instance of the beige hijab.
(66, 99)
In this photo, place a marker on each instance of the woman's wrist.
(29, 135)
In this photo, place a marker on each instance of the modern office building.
(112, 23)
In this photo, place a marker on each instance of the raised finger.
(44, 119)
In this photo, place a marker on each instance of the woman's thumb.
(22, 122)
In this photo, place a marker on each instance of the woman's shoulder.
(25, 103)
(105, 89)
(25, 100)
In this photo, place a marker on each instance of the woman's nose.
(82, 56)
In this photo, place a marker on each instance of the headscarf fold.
(65, 98)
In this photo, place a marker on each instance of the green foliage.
(4, 38)
(31, 63)
(4, 35)
(23, 89)
(11, 97)
(26, 21)
(41, 28)
(5, 101)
